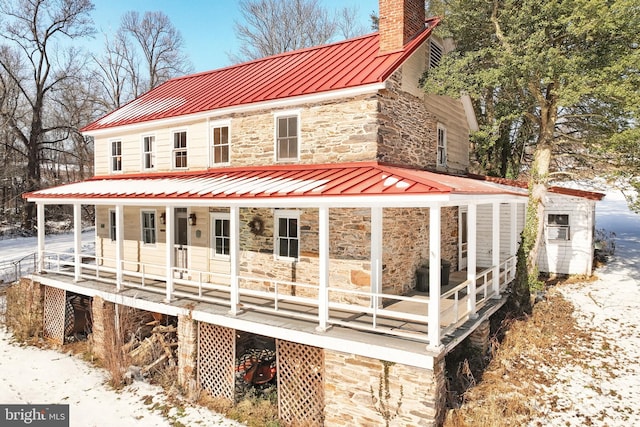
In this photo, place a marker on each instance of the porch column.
(472, 249)
(234, 256)
(169, 250)
(119, 245)
(41, 233)
(495, 251)
(323, 290)
(513, 244)
(77, 240)
(376, 253)
(434, 276)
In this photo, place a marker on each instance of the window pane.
(284, 248)
(293, 228)
(293, 248)
(282, 227)
(292, 126)
(282, 127)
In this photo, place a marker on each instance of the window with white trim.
(442, 145)
(116, 156)
(180, 149)
(287, 234)
(287, 137)
(558, 227)
(148, 153)
(221, 234)
(220, 147)
(112, 224)
(148, 227)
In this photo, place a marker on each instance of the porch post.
(234, 255)
(495, 251)
(77, 240)
(434, 276)
(323, 290)
(376, 253)
(472, 249)
(513, 244)
(119, 245)
(41, 234)
(169, 250)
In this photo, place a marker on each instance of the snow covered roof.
(348, 64)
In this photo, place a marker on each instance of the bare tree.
(161, 45)
(269, 27)
(31, 30)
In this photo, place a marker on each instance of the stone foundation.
(358, 389)
(479, 338)
(101, 312)
(187, 354)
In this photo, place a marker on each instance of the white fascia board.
(247, 108)
(425, 360)
(389, 201)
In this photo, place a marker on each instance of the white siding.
(574, 256)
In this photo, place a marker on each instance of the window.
(221, 234)
(287, 138)
(180, 149)
(287, 234)
(558, 227)
(149, 227)
(435, 54)
(148, 156)
(442, 146)
(116, 156)
(220, 144)
(112, 224)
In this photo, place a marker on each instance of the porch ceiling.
(266, 183)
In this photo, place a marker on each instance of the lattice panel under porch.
(300, 384)
(216, 360)
(55, 303)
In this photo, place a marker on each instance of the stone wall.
(355, 389)
(100, 310)
(407, 133)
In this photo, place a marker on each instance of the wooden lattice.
(55, 310)
(300, 384)
(216, 360)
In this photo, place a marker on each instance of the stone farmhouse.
(296, 205)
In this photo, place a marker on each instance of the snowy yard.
(605, 389)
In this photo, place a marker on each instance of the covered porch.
(326, 302)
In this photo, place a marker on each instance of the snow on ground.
(602, 386)
(603, 390)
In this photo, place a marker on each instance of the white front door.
(181, 238)
(463, 230)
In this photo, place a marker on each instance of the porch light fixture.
(192, 219)
(163, 218)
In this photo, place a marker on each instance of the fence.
(11, 271)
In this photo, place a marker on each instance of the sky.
(207, 26)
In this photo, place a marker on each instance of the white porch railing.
(397, 315)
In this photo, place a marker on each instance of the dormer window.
(180, 149)
(287, 137)
(435, 54)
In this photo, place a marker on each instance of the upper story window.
(558, 227)
(116, 156)
(442, 145)
(221, 226)
(220, 144)
(287, 137)
(148, 227)
(180, 149)
(112, 224)
(435, 54)
(148, 151)
(287, 232)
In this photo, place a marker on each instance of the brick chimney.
(400, 21)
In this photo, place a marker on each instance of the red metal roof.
(591, 195)
(347, 64)
(347, 179)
